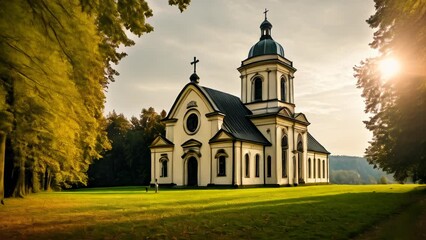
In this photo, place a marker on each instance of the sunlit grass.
(258, 213)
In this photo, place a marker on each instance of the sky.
(324, 39)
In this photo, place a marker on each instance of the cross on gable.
(266, 12)
(195, 63)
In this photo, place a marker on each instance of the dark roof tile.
(314, 145)
(235, 121)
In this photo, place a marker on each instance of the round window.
(192, 123)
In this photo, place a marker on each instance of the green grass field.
(320, 212)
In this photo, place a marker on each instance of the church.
(214, 138)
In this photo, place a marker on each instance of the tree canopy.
(55, 62)
(129, 160)
(397, 106)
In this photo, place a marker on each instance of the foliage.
(397, 107)
(354, 170)
(311, 212)
(129, 160)
(55, 62)
(345, 177)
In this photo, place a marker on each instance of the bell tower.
(267, 75)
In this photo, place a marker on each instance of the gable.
(285, 112)
(191, 96)
(301, 118)
(192, 143)
(222, 136)
(161, 141)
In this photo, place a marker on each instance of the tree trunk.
(2, 160)
(47, 180)
(20, 185)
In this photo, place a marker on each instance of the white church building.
(215, 138)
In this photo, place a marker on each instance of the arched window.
(257, 89)
(269, 167)
(164, 168)
(284, 149)
(257, 165)
(247, 165)
(283, 89)
(221, 166)
(299, 155)
(319, 168)
(309, 168)
(323, 168)
(221, 156)
(315, 173)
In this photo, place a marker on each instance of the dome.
(266, 45)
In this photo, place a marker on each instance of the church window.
(284, 149)
(257, 89)
(314, 170)
(257, 165)
(319, 168)
(192, 122)
(222, 166)
(247, 165)
(269, 167)
(299, 155)
(309, 168)
(283, 89)
(323, 168)
(164, 168)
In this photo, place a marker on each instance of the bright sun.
(389, 67)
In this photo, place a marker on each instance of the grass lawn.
(321, 212)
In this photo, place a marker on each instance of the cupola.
(266, 45)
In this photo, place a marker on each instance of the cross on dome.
(194, 77)
(266, 12)
(195, 63)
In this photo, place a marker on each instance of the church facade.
(214, 138)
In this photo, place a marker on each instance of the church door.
(192, 171)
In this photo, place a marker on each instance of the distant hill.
(356, 170)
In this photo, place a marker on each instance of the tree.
(129, 160)
(55, 62)
(397, 105)
(345, 177)
(107, 171)
(143, 132)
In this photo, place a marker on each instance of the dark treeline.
(129, 160)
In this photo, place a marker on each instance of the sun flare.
(389, 67)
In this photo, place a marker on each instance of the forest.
(129, 160)
(57, 59)
(356, 170)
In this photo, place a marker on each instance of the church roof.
(235, 121)
(314, 145)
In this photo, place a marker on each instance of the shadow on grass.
(338, 216)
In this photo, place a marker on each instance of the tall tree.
(112, 169)
(397, 105)
(143, 132)
(55, 62)
(129, 160)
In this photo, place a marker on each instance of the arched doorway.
(192, 171)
